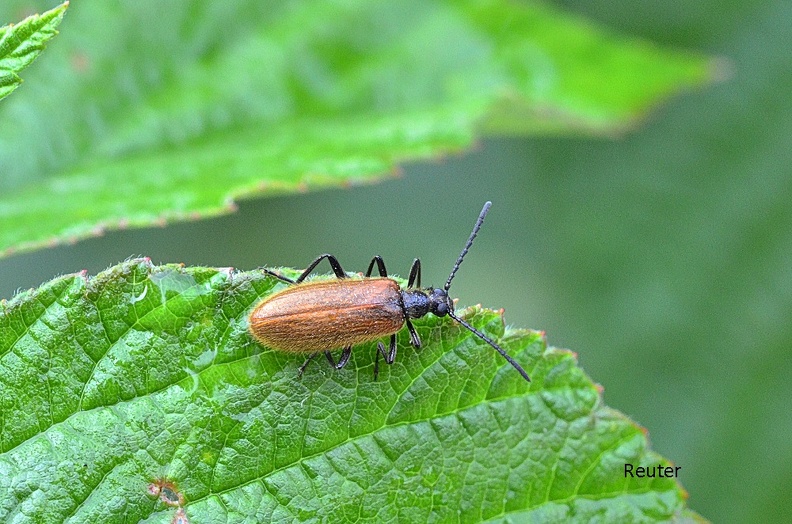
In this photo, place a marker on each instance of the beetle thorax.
(419, 302)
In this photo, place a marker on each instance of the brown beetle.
(315, 317)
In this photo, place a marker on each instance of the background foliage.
(663, 257)
(257, 97)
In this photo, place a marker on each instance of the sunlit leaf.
(144, 380)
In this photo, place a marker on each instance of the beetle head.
(440, 304)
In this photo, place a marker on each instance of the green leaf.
(149, 115)
(145, 378)
(20, 44)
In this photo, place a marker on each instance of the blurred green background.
(664, 258)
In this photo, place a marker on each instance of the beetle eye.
(442, 309)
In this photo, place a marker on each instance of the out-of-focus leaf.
(147, 114)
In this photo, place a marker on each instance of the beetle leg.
(333, 263)
(342, 361)
(415, 340)
(380, 349)
(380, 266)
(415, 274)
(344, 357)
(390, 356)
(305, 364)
(279, 277)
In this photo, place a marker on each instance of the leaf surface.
(145, 116)
(145, 377)
(20, 44)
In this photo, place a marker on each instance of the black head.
(441, 304)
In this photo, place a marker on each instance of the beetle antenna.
(484, 337)
(473, 234)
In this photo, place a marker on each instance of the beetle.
(315, 317)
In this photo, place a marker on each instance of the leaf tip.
(57, 12)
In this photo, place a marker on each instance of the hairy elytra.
(316, 317)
